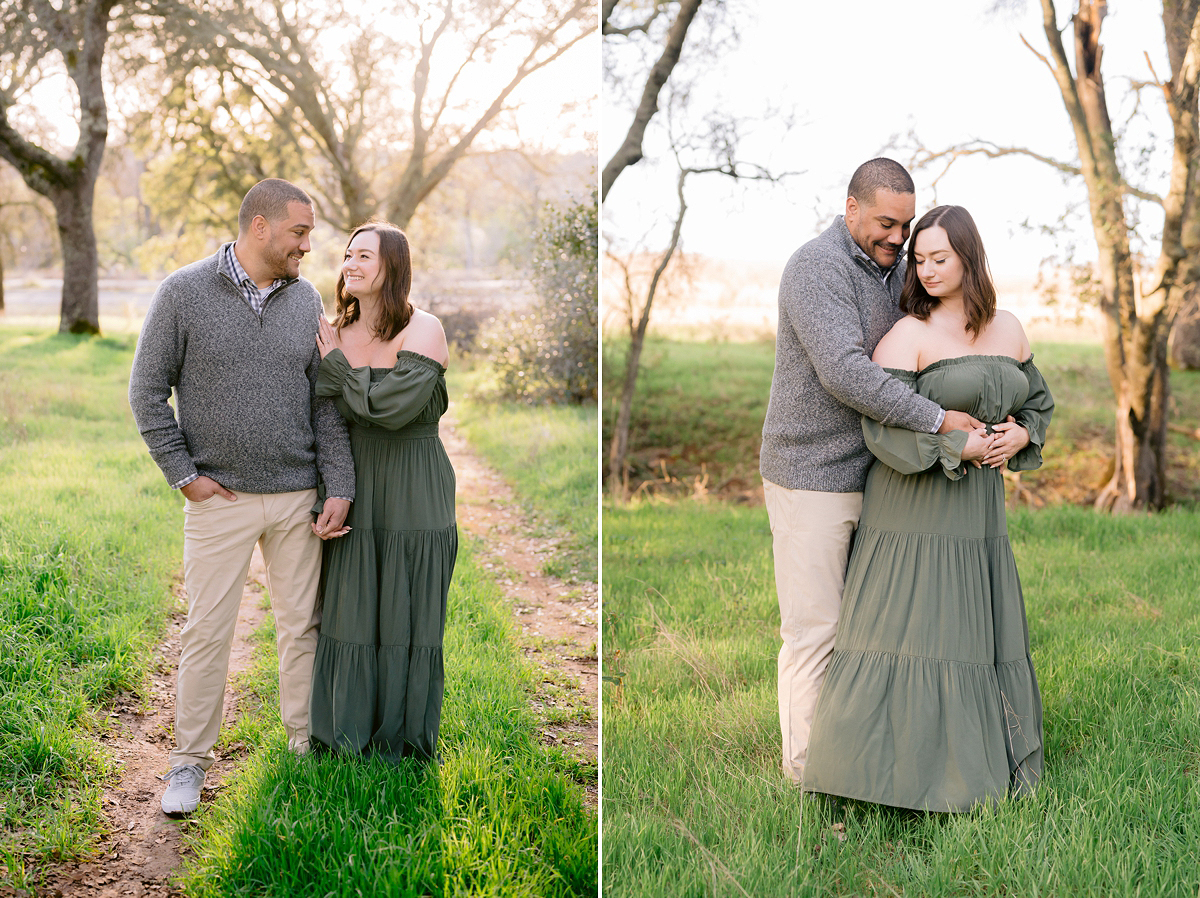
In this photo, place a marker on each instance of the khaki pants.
(218, 541)
(811, 533)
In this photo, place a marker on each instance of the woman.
(377, 678)
(930, 701)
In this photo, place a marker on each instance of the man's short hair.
(269, 199)
(876, 174)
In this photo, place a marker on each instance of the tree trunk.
(81, 261)
(618, 475)
(80, 33)
(1, 283)
(359, 206)
(1139, 480)
(404, 200)
(1135, 328)
(1183, 347)
(619, 448)
(1139, 328)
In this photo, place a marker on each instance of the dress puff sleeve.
(910, 452)
(391, 402)
(1034, 415)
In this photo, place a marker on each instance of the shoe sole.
(179, 807)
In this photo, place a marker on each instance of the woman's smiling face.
(362, 268)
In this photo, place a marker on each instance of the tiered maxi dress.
(377, 676)
(930, 700)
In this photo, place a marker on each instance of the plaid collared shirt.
(255, 296)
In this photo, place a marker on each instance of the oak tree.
(34, 36)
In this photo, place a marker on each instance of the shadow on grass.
(324, 824)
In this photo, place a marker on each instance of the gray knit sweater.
(244, 387)
(834, 307)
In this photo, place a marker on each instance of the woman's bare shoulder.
(424, 334)
(900, 345)
(1007, 327)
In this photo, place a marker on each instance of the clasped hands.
(331, 522)
(992, 449)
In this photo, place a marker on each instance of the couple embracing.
(900, 392)
(319, 443)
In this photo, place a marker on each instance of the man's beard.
(280, 263)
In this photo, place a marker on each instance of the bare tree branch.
(374, 155)
(924, 158)
(642, 26)
(630, 151)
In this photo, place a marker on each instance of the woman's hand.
(327, 338)
(1010, 439)
(979, 444)
(329, 534)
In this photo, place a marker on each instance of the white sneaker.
(183, 789)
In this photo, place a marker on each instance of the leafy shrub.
(548, 354)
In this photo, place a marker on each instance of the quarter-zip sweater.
(834, 307)
(246, 412)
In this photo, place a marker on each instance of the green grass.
(502, 815)
(548, 454)
(695, 803)
(694, 800)
(89, 539)
(699, 410)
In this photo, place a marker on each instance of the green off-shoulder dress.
(930, 700)
(377, 676)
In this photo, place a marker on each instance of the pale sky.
(857, 74)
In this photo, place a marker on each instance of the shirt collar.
(230, 266)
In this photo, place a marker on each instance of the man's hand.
(331, 522)
(203, 488)
(959, 421)
(1010, 439)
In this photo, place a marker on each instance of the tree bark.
(1183, 346)
(81, 260)
(630, 151)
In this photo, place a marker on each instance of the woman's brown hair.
(394, 308)
(979, 294)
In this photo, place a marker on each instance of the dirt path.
(143, 847)
(558, 620)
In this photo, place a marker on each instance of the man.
(838, 296)
(234, 336)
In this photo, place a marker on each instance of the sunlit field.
(694, 799)
(90, 537)
(90, 541)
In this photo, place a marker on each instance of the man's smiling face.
(288, 241)
(881, 227)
